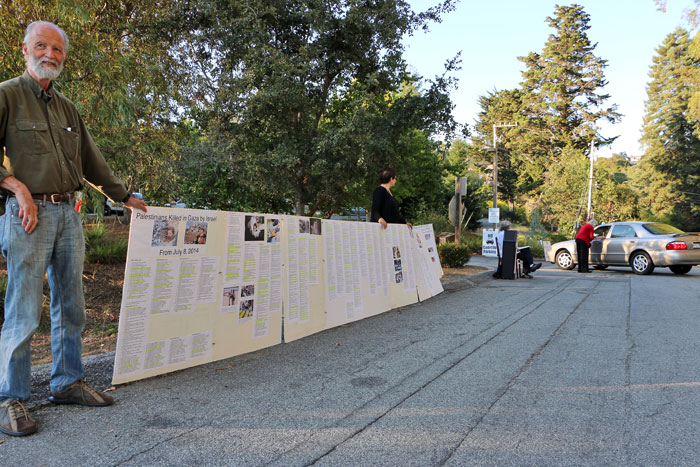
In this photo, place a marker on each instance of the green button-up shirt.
(47, 146)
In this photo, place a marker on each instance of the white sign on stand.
(494, 215)
(488, 244)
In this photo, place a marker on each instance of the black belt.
(55, 198)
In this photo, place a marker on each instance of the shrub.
(557, 237)
(454, 255)
(472, 242)
(439, 220)
(537, 250)
(99, 248)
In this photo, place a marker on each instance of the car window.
(601, 231)
(661, 229)
(623, 231)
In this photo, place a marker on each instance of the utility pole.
(590, 182)
(495, 160)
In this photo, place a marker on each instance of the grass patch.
(100, 248)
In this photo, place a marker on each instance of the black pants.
(525, 255)
(582, 253)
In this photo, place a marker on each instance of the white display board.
(488, 243)
(203, 285)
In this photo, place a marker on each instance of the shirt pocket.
(70, 140)
(34, 136)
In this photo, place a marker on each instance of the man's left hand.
(135, 203)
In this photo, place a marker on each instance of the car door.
(622, 240)
(599, 233)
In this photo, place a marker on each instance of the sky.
(492, 35)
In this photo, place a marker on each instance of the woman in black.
(385, 209)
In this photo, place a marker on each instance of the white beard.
(44, 72)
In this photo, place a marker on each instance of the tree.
(672, 150)
(556, 107)
(563, 201)
(501, 107)
(561, 92)
(308, 93)
(118, 73)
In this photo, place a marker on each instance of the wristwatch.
(126, 198)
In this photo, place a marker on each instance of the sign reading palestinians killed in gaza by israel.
(204, 285)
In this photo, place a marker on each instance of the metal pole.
(590, 183)
(458, 227)
(495, 169)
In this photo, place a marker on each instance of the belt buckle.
(53, 200)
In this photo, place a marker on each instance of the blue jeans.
(56, 247)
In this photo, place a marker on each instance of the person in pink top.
(583, 244)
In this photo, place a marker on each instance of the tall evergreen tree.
(672, 150)
(562, 98)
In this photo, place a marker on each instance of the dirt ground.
(102, 285)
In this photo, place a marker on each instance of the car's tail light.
(676, 246)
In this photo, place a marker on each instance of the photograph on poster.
(431, 249)
(303, 226)
(397, 253)
(397, 265)
(427, 236)
(399, 277)
(230, 297)
(254, 228)
(164, 233)
(196, 233)
(246, 309)
(315, 226)
(248, 290)
(273, 231)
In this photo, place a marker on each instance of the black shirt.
(385, 206)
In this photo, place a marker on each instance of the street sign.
(488, 243)
(494, 215)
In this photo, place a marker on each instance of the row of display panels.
(203, 285)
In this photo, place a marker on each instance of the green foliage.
(515, 215)
(312, 98)
(558, 237)
(564, 195)
(473, 242)
(121, 72)
(561, 87)
(100, 248)
(454, 255)
(556, 107)
(439, 219)
(671, 165)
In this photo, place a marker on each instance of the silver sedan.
(639, 245)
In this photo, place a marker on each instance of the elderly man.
(524, 253)
(47, 154)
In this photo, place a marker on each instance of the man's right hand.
(28, 211)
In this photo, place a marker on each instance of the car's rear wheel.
(682, 269)
(564, 260)
(641, 263)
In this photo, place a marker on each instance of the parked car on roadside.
(118, 209)
(642, 246)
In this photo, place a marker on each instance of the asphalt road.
(563, 369)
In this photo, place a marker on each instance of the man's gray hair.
(28, 32)
(505, 225)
